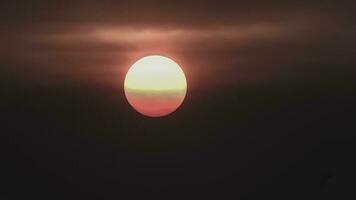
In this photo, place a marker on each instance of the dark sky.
(269, 110)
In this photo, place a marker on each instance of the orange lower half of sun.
(155, 104)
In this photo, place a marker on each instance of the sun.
(155, 86)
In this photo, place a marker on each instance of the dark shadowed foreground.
(246, 142)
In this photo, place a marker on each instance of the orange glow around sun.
(155, 86)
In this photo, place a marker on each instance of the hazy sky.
(270, 106)
(215, 42)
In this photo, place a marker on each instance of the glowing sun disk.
(155, 86)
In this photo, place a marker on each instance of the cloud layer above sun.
(217, 43)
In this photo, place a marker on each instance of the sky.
(52, 41)
(269, 109)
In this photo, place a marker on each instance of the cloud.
(215, 42)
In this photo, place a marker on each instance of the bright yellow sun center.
(155, 73)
